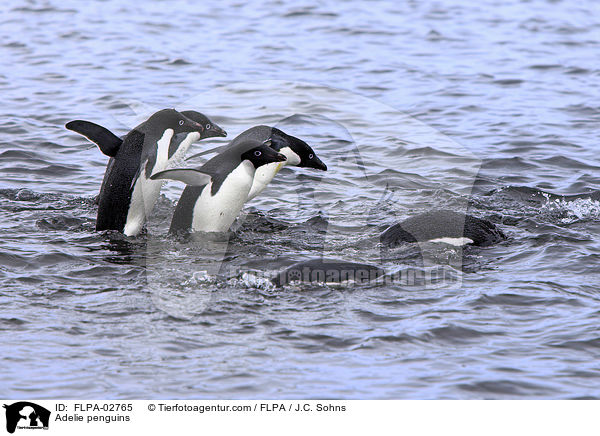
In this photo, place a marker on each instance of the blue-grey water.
(414, 105)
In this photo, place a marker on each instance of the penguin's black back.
(442, 224)
(115, 195)
(329, 270)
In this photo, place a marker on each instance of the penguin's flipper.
(190, 176)
(106, 140)
(212, 150)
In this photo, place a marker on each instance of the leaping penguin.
(297, 152)
(109, 143)
(128, 195)
(213, 206)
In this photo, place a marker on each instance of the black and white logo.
(26, 415)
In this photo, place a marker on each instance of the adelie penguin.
(328, 271)
(214, 206)
(443, 226)
(128, 195)
(297, 152)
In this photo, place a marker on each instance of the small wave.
(584, 345)
(457, 334)
(505, 387)
(401, 338)
(179, 61)
(67, 223)
(582, 204)
(11, 323)
(509, 299)
(508, 82)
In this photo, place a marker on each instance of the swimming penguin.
(127, 195)
(444, 226)
(297, 152)
(214, 205)
(328, 271)
(109, 143)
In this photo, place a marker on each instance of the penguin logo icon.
(26, 415)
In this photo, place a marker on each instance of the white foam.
(574, 210)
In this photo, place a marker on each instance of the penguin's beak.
(215, 130)
(220, 131)
(279, 157)
(317, 164)
(193, 125)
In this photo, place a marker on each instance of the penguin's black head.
(263, 154)
(298, 152)
(210, 129)
(171, 119)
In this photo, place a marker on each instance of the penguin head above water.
(169, 119)
(211, 129)
(298, 152)
(263, 154)
(189, 125)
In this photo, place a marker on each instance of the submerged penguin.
(443, 226)
(127, 195)
(212, 206)
(328, 271)
(297, 152)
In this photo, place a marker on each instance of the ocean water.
(490, 107)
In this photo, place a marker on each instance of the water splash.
(568, 212)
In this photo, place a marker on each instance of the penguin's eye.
(310, 156)
(207, 126)
(181, 122)
(257, 153)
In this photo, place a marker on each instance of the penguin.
(297, 152)
(443, 226)
(212, 206)
(329, 271)
(109, 143)
(127, 195)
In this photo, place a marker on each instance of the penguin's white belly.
(163, 162)
(144, 196)
(457, 242)
(217, 213)
(263, 176)
(146, 191)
